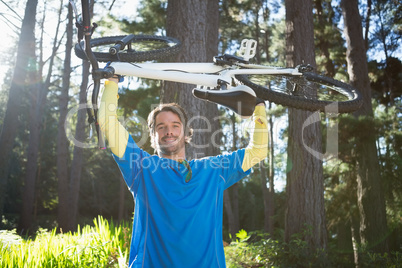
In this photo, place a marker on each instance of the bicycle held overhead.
(229, 80)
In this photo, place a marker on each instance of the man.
(178, 203)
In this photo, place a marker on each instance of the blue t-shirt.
(178, 224)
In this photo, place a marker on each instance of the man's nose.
(168, 131)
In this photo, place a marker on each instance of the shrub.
(101, 245)
(258, 249)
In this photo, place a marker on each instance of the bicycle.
(231, 81)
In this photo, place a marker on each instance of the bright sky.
(128, 9)
(10, 22)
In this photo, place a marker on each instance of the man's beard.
(172, 147)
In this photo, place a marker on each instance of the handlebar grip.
(120, 44)
(114, 49)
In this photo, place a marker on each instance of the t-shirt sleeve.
(231, 167)
(130, 164)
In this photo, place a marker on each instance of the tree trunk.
(268, 193)
(195, 24)
(344, 240)
(122, 195)
(38, 102)
(231, 195)
(234, 190)
(63, 154)
(304, 189)
(229, 213)
(235, 202)
(367, 25)
(26, 46)
(271, 175)
(371, 204)
(356, 241)
(78, 157)
(265, 196)
(28, 193)
(68, 213)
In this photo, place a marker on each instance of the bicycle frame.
(202, 74)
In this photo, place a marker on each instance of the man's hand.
(114, 79)
(117, 78)
(259, 102)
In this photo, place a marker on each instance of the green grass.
(105, 244)
(101, 245)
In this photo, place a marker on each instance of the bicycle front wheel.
(309, 91)
(140, 48)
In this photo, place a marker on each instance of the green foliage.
(101, 245)
(330, 51)
(259, 249)
(386, 80)
(242, 235)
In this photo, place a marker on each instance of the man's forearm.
(257, 149)
(115, 133)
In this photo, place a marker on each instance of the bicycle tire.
(310, 91)
(146, 48)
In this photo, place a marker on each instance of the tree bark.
(19, 82)
(371, 204)
(195, 24)
(304, 189)
(63, 154)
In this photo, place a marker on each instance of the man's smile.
(169, 140)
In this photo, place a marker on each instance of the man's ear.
(187, 139)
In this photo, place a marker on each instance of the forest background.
(48, 182)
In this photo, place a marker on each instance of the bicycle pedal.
(248, 48)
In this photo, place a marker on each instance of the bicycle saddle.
(240, 99)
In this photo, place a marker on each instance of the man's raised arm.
(115, 133)
(257, 148)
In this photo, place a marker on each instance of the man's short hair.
(174, 108)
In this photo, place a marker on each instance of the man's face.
(169, 135)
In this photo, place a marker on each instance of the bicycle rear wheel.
(141, 48)
(309, 91)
